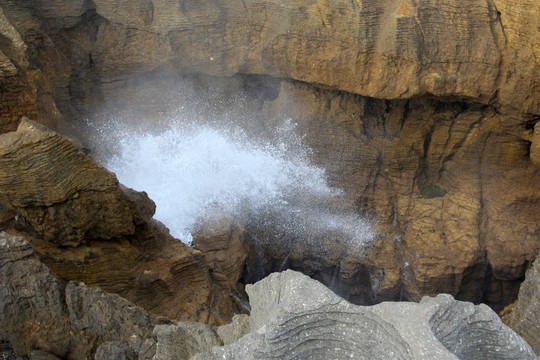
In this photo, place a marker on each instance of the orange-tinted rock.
(484, 51)
(63, 195)
(151, 269)
(452, 185)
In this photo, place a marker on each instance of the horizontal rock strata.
(87, 227)
(482, 50)
(40, 311)
(294, 317)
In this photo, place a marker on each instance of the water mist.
(197, 167)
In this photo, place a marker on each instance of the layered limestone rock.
(42, 313)
(60, 192)
(86, 227)
(452, 186)
(24, 87)
(487, 51)
(448, 167)
(524, 316)
(296, 317)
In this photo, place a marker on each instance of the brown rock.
(224, 249)
(483, 51)
(535, 145)
(151, 269)
(24, 89)
(61, 193)
(451, 184)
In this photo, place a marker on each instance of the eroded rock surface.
(524, 316)
(296, 317)
(40, 311)
(88, 228)
(452, 185)
(62, 194)
(399, 49)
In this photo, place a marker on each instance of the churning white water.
(197, 172)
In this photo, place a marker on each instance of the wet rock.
(91, 229)
(297, 317)
(224, 248)
(386, 154)
(524, 315)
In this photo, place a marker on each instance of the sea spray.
(196, 172)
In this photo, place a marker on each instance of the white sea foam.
(196, 172)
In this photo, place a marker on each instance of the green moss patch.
(432, 191)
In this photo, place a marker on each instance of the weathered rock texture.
(487, 51)
(88, 228)
(294, 317)
(524, 316)
(24, 87)
(40, 311)
(426, 112)
(63, 195)
(184, 340)
(453, 183)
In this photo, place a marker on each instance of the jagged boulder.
(39, 311)
(295, 317)
(60, 192)
(87, 227)
(524, 315)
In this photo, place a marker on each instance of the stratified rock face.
(65, 196)
(38, 311)
(295, 317)
(453, 185)
(397, 49)
(24, 88)
(524, 316)
(82, 217)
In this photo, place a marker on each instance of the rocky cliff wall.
(425, 112)
(486, 51)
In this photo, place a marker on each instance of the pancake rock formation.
(87, 227)
(295, 317)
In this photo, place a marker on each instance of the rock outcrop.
(60, 192)
(452, 185)
(524, 315)
(24, 87)
(486, 51)
(86, 227)
(426, 113)
(40, 311)
(294, 317)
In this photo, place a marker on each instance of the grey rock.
(42, 355)
(524, 316)
(115, 350)
(230, 333)
(40, 312)
(184, 340)
(295, 317)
